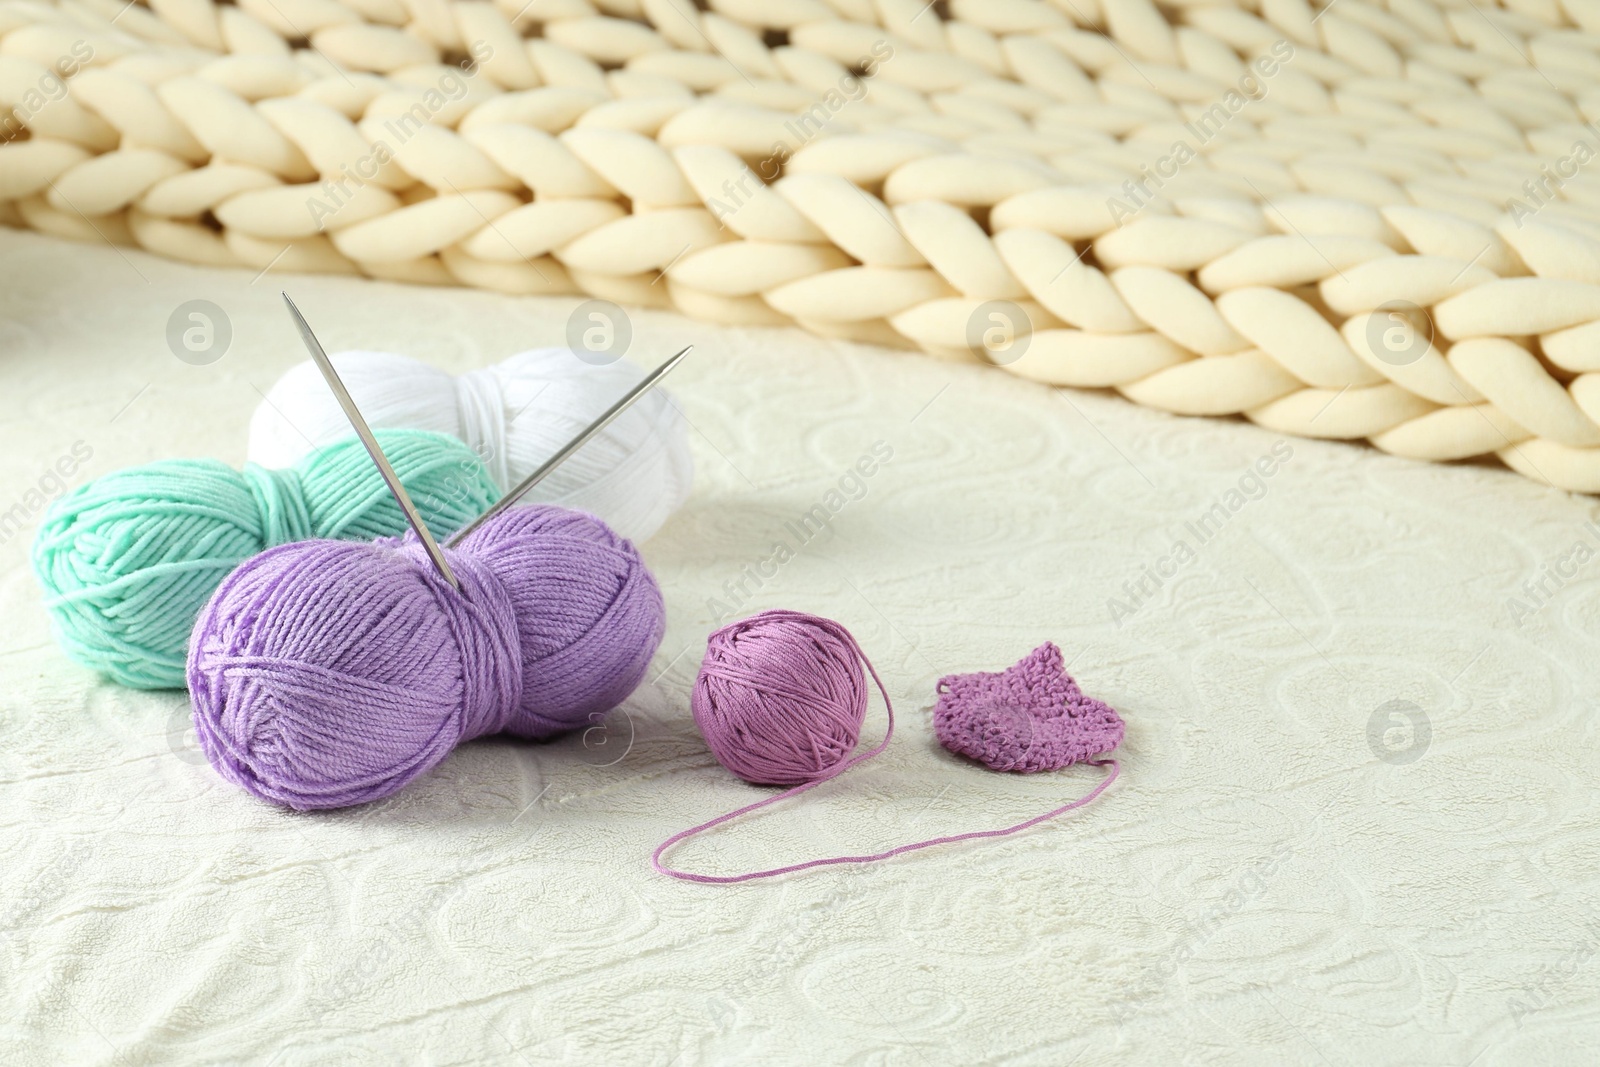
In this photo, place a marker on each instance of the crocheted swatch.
(1027, 718)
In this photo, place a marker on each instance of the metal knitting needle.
(364, 432)
(573, 445)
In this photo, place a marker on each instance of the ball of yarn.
(634, 474)
(325, 674)
(128, 560)
(781, 697)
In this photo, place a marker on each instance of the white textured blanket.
(1356, 825)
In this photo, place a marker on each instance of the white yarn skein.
(514, 415)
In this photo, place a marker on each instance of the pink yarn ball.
(781, 698)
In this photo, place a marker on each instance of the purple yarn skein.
(329, 673)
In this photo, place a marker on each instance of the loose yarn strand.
(832, 773)
(655, 860)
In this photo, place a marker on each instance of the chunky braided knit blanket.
(1369, 219)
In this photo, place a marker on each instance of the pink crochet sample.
(1026, 718)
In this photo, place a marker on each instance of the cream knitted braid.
(1365, 220)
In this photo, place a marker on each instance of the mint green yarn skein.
(128, 561)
